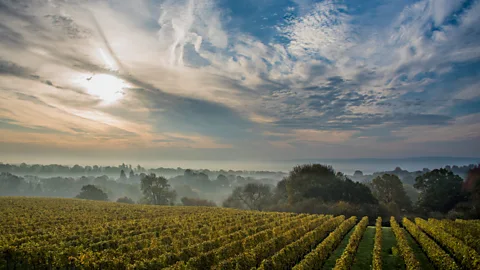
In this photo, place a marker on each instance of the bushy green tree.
(389, 190)
(252, 196)
(472, 187)
(317, 181)
(156, 190)
(440, 190)
(91, 192)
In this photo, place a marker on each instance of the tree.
(125, 200)
(280, 195)
(472, 187)
(202, 181)
(358, 173)
(10, 184)
(197, 202)
(156, 190)
(316, 181)
(91, 192)
(355, 192)
(131, 176)
(222, 181)
(472, 179)
(251, 196)
(310, 181)
(388, 189)
(123, 176)
(440, 190)
(412, 193)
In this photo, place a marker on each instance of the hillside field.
(41, 233)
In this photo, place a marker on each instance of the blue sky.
(263, 79)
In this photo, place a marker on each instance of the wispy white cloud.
(189, 22)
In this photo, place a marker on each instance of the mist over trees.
(124, 180)
(316, 188)
(114, 171)
(311, 188)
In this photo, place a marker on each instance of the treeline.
(408, 177)
(68, 187)
(317, 188)
(191, 184)
(113, 171)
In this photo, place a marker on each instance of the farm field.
(41, 233)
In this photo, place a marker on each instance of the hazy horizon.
(348, 166)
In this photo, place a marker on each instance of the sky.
(82, 81)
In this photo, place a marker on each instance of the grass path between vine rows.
(363, 258)
(389, 260)
(330, 263)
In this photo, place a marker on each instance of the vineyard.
(75, 234)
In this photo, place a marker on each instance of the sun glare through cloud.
(107, 88)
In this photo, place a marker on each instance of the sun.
(106, 87)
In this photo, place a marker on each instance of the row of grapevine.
(290, 255)
(434, 252)
(460, 230)
(208, 249)
(253, 257)
(470, 226)
(101, 234)
(84, 234)
(377, 246)
(26, 251)
(317, 257)
(76, 234)
(469, 222)
(175, 242)
(466, 255)
(346, 260)
(207, 260)
(406, 251)
(246, 229)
